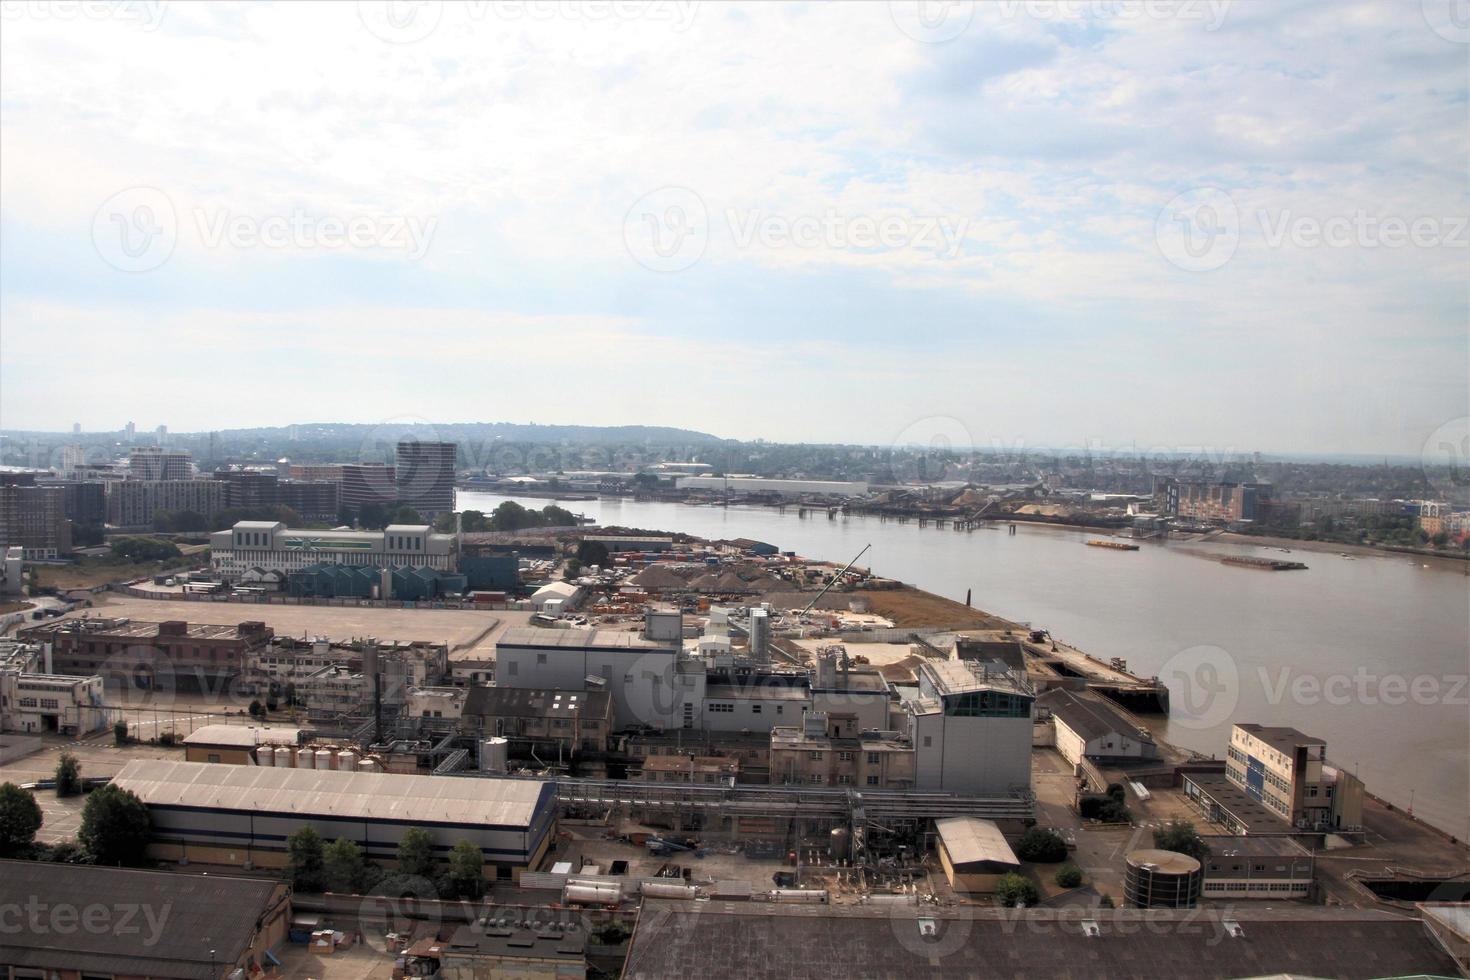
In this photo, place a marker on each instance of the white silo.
(265, 756)
(324, 758)
(306, 759)
(494, 754)
(347, 762)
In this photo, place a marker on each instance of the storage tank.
(817, 895)
(368, 765)
(347, 762)
(668, 889)
(324, 758)
(305, 759)
(592, 893)
(494, 754)
(1162, 880)
(265, 756)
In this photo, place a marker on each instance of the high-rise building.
(314, 500)
(249, 488)
(425, 478)
(33, 518)
(366, 483)
(155, 463)
(136, 503)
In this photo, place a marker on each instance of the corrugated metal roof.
(970, 840)
(328, 793)
(243, 736)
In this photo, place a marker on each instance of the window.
(873, 758)
(815, 756)
(816, 779)
(844, 780)
(872, 780)
(513, 668)
(541, 658)
(844, 757)
(755, 709)
(928, 741)
(212, 757)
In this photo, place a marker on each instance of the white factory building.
(971, 727)
(273, 547)
(33, 700)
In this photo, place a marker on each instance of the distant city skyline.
(1233, 226)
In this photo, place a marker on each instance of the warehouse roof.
(759, 940)
(243, 736)
(970, 840)
(572, 639)
(390, 797)
(161, 924)
(1089, 717)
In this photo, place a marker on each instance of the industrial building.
(974, 853)
(971, 728)
(505, 946)
(424, 475)
(33, 699)
(188, 653)
(831, 750)
(85, 921)
(778, 488)
(561, 721)
(759, 939)
(271, 546)
(236, 745)
(1289, 774)
(1156, 879)
(242, 815)
(1257, 867)
(1088, 728)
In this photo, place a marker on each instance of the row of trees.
(145, 549)
(340, 866)
(511, 516)
(193, 522)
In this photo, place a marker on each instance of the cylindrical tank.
(668, 889)
(324, 758)
(841, 848)
(305, 759)
(368, 765)
(592, 893)
(818, 895)
(1157, 879)
(347, 762)
(265, 756)
(494, 754)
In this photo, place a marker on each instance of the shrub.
(1042, 845)
(1180, 835)
(68, 775)
(1068, 876)
(120, 732)
(1013, 890)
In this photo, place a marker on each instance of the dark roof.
(801, 942)
(1089, 717)
(530, 702)
(552, 941)
(1252, 813)
(172, 920)
(1282, 739)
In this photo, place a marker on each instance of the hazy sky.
(1239, 226)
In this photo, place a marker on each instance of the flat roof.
(243, 736)
(188, 916)
(964, 676)
(1279, 737)
(1230, 845)
(755, 692)
(1252, 813)
(577, 639)
(531, 702)
(382, 796)
(970, 840)
(1089, 716)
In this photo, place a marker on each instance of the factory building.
(1257, 867)
(973, 853)
(231, 815)
(1288, 773)
(1088, 728)
(79, 920)
(832, 751)
(35, 700)
(271, 546)
(971, 728)
(189, 653)
(562, 721)
(236, 745)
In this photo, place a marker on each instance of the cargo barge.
(1115, 545)
(1267, 564)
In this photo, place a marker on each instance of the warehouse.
(974, 853)
(235, 815)
(1088, 728)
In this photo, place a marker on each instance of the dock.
(1115, 545)
(1147, 695)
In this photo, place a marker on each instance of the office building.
(1288, 773)
(33, 518)
(94, 922)
(251, 488)
(317, 501)
(139, 503)
(157, 463)
(362, 484)
(230, 815)
(425, 475)
(84, 501)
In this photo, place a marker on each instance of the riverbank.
(1338, 548)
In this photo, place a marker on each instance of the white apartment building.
(273, 547)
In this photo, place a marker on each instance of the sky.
(1230, 226)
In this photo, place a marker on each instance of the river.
(1371, 654)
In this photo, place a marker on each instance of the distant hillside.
(352, 433)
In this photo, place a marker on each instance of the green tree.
(306, 860)
(1180, 835)
(404, 514)
(573, 569)
(256, 709)
(473, 520)
(372, 517)
(592, 553)
(554, 516)
(68, 775)
(145, 549)
(343, 866)
(1068, 876)
(510, 516)
(115, 826)
(1013, 890)
(20, 818)
(467, 870)
(1042, 845)
(416, 853)
(120, 732)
